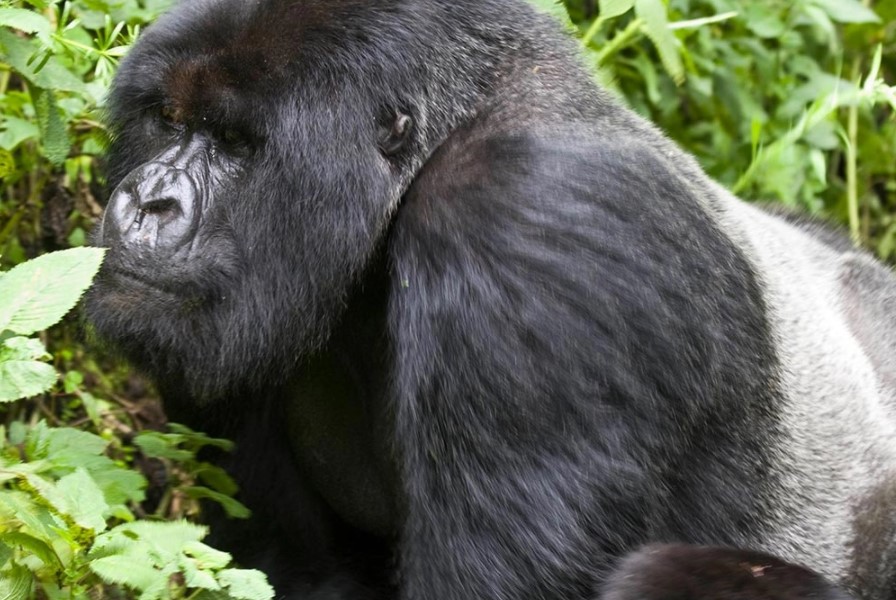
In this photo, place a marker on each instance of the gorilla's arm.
(682, 572)
(523, 473)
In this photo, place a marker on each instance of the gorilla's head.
(260, 150)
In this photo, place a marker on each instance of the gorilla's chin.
(191, 340)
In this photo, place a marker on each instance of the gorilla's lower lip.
(144, 281)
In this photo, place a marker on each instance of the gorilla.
(479, 331)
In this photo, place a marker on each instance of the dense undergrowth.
(781, 100)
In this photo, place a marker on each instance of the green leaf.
(614, 8)
(38, 293)
(7, 163)
(196, 577)
(124, 570)
(85, 501)
(161, 445)
(233, 508)
(246, 584)
(22, 348)
(208, 557)
(38, 519)
(54, 136)
(656, 26)
(17, 52)
(24, 379)
(847, 11)
(16, 131)
(28, 21)
(31, 544)
(15, 583)
(556, 9)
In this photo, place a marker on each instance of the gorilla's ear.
(683, 572)
(395, 127)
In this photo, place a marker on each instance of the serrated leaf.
(38, 519)
(246, 584)
(656, 26)
(24, 379)
(38, 293)
(195, 577)
(208, 557)
(847, 11)
(15, 583)
(87, 505)
(53, 134)
(22, 348)
(124, 570)
(164, 539)
(614, 8)
(28, 21)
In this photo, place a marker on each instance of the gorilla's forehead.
(221, 58)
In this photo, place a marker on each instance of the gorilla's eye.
(233, 137)
(170, 114)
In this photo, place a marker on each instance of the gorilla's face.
(253, 181)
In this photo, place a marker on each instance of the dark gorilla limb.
(680, 572)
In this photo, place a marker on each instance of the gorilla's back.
(831, 312)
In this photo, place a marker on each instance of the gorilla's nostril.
(160, 206)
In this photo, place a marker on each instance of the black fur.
(678, 572)
(469, 321)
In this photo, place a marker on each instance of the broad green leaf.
(24, 379)
(53, 134)
(15, 131)
(87, 505)
(28, 21)
(15, 583)
(656, 26)
(120, 485)
(22, 348)
(196, 577)
(38, 293)
(217, 479)
(246, 584)
(848, 11)
(208, 557)
(124, 570)
(614, 8)
(161, 445)
(164, 539)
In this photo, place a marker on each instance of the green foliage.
(66, 528)
(35, 295)
(780, 101)
(56, 63)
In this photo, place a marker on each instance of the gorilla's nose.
(155, 207)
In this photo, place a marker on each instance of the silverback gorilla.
(479, 331)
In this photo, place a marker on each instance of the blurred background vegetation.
(786, 101)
